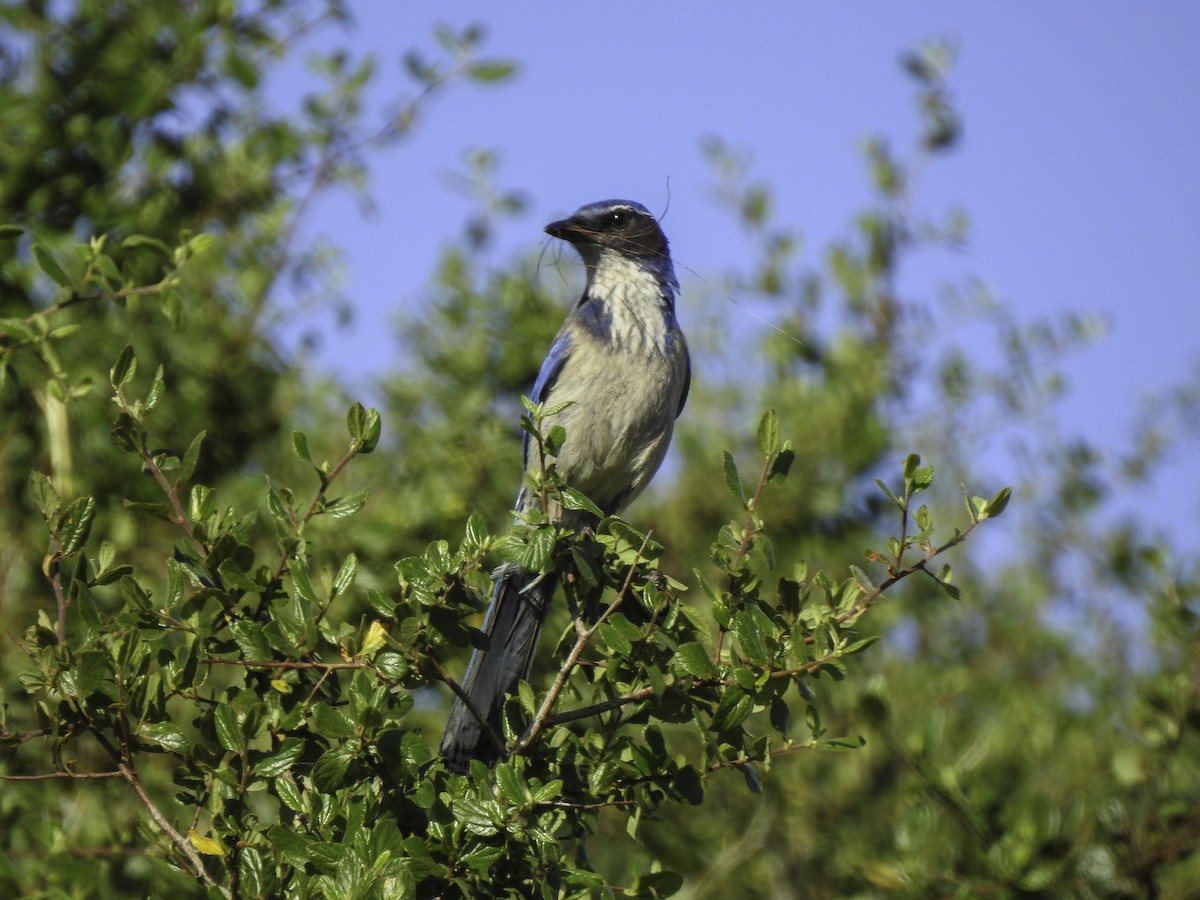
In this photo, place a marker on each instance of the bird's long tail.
(513, 621)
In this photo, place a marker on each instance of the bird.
(620, 362)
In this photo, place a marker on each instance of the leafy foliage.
(220, 674)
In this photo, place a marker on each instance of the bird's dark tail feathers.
(513, 621)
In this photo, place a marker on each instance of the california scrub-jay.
(622, 363)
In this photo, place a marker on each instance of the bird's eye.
(619, 218)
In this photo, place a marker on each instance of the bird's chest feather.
(624, 382)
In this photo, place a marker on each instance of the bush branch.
(541, 720)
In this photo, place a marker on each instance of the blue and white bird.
(622, 363)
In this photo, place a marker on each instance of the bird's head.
(619, 226)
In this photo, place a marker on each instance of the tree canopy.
(235, 599)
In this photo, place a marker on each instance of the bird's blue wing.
(552, 366)
(687, 384)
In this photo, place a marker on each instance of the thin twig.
(561, 804)
(126, 771)
(465, 699)
(541, 720)
(185, 846)
(748, 760)
(61, 600)
(48, 776)
(749, 532)
(86, 852)
(284, 664)
(75, 299)
(584, 712)
(852, 614)
(313, 508)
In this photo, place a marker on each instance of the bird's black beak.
(565, 229)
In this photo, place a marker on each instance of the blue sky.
(1079, 165)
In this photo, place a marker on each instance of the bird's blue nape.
(600, 206)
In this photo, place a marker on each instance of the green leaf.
(127, 434)
(812, 718)
(235, 579)
(693, 659)
(300, 446)
(478, 816)
(526, 698)
(75, 523)
(924, 518)
(64, 331)
(229, 733)
(767, 436)
(329, 771)
(753, 779)
(289, 792)
(167, 735)
(573, 499)
(732, 481)
(174, 584)
(538, 551)
(48, 262)
(249, 636)
(657, 884)
(18, 329)
(374, 640)
(200, 244)
(853, 742)
(173, 309)
(364, 426)
(156, 389)
(8, 232)
(553, 439)
(547, 792)
(782, 464)
(303, 586)
(85, 602)
(191, 456)
(997, 504)
(345, 577)
(141, 240)
(780, 715)
(332, 722)
(475, 533)
(491, 70)
(290, 750)
(108, 269)
(616, 639)
(512, 786)
(883, 487)
(346, 506)
(951, 589)
(922, 478)
(124, 368)
(860, 645)
(749, 631)
(733, 709)
(158, 510)
(44, 495)
(251, 874)
(91, 668)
